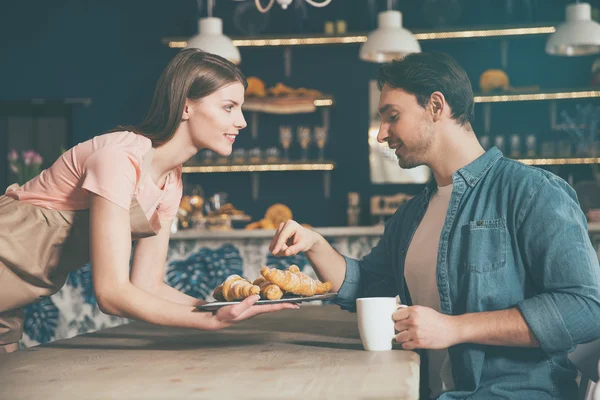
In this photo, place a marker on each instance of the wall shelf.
(560, 161)
(325, 166)
(357, 38)
(286, 105)
(265, 167)
(555, 94)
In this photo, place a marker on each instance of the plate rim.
(214, 305)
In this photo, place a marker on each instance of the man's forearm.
(497, 328)
(329, 265)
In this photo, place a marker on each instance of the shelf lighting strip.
(561, 161)
(307, 41)
(537, 96)
(258, 168)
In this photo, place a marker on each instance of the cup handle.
(398, 306)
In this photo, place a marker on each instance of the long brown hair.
(191, 74)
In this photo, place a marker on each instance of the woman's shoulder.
(123, 139)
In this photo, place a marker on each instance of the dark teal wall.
(110, 51)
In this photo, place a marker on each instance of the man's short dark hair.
(422, 74)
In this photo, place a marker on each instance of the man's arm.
(351, 279)
(563, 265)
(425, 328)
(554, 241)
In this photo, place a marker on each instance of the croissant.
(294, 281)
(268, 290)
(218, 293)
(237, 288)
(322, 287)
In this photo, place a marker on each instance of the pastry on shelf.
(237, 288)
(256, 87)
(268, 290)
(278, 213)
(280, 90)
(295, 282)
(261, 224)
(230, 211)
(280, 99)
(275, 214)
(308, 92)
(497, 80)
(493, 79)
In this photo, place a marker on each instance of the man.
(494, 256)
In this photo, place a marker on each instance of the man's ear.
(437, 105)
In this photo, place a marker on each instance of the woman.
(118, 187)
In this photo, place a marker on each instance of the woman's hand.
(229, 315)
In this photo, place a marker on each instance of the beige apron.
(38, 249)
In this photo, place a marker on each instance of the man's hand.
(424, 328)
(291, 238)
(229, 315)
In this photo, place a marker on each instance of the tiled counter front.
(197, 262)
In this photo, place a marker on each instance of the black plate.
(215, 305)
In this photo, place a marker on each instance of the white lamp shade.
(390, 41)
(579, 35)
(210, 39)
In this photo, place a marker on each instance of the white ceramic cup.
(375, 323)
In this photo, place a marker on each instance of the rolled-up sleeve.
(554, 242)
(373, 276)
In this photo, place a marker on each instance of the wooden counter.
(310, 353)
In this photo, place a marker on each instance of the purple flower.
(37, 159)
(14, 168)
(13, 156)
(28, 157)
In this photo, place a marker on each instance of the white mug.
(375, 323)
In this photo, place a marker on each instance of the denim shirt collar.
(471, 173)
(474, 171)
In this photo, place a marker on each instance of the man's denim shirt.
(514, 236)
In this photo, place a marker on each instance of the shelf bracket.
(325, 118)
(504, 54)
(287, 61)
(553, 111)
(255, 184)
(487, 118)
(254, 124)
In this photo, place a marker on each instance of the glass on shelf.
(564, 149)
(304, 140)
(207, 157)
(285, 138)
(321, 140)
(531, 146)
(595, 149)
(255, 155)
(485, 142)
(499, 143)
(548, 149)
(238, 156)
(272, 155)
(515, 146)
(218, 200)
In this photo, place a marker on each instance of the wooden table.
(310, 353)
